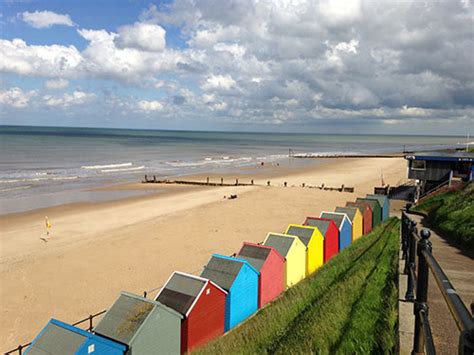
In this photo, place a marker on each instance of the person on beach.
(47, 225)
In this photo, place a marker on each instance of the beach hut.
(330, 233)
(384, 203)
(202, 304)
(294, 252)
(344, 226)
(366, 211)
(356, 218)
(58, 338)
(376, 210)
(144, 325)
(271, 266)
(314, 242)
(240, 280)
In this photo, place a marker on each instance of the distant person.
(47, 225)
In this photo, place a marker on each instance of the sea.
(49, 166)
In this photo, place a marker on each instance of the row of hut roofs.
(191, 310)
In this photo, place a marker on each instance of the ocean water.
(47, 166)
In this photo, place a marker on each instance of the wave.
(123, 170)
(108, 166)
(12, 181)
(16, 188)
(209, 161)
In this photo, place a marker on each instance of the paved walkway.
(460, 270)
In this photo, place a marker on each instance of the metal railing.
(89, 319)
(416, 247)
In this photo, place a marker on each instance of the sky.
(287, 66)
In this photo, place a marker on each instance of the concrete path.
(460, 270)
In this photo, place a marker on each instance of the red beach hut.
(201, 302)
(271, 266)
(366, 211)
(330, 232)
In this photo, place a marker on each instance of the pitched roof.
(381, 198)
(338, 218)
(370, 201)
(254, 254)
(282, 243)
(321, 224)
(55, 339)
(180, 292)
(125, 317)
(304, 233)
(350, 211)
(359, 205)
(223, 270)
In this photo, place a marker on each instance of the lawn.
(349, 305)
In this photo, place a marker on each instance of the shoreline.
(96, 250)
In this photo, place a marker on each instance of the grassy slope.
(349, 305)
(452, 213)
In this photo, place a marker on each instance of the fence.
(419, 261)
(89, 319)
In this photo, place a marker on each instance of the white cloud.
(46, 19)
(142, 36)
(220, 106)
(413, 111)
(145, 105)
(56, 84)
(65, 100)
(16, 97)
(216, 82)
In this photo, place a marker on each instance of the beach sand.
(96, 250)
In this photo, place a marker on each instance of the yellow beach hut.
(294, 252)
(314, 242)
(356, 218)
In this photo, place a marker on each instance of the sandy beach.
(97, 250)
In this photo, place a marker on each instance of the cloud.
(218, 82)
(46, 19)
(56, 84)
(148, 106)
(16, 97)
(142, 36)
(66, 100)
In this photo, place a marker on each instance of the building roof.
(319, 223)
(282, 243)
(360, 205)
(381, 198)
(256, 255)
(61, 338)
(442, 156)
(223, 270)
(349, 211)
(370, 201)
(125, 317)
(337, 218)
(303, 232)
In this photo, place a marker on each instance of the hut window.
(91, 349)
(418, 165)
(208, 291)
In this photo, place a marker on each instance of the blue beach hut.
(384, 203)
(344, 225)
(240, 280)
(59, 338)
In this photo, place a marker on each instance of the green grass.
(349, 305)
(452, 213)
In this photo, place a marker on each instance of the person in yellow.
(48, 225)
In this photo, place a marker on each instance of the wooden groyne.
(197, 183)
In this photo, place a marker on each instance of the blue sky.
(302, 66)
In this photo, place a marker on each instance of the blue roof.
(442, 156)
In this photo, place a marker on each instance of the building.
(240, 280)
(202, 304)
(344, 225)
(376, 210)
(384, 203)
(314, 242)
(356, 218)
(271, 266)
(58, 338)
(143, 325)
(330, 233)
(294, 252)
(366, 211)
(434, 168)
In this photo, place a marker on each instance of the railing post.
(410, 262)
(466, 342)
(421, 304)
(90, 322)
(403, 231)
